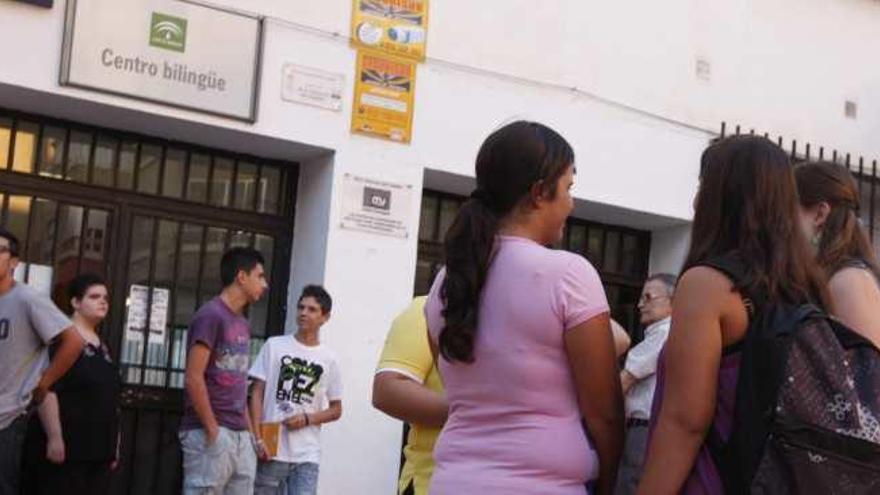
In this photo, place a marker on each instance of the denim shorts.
(227, 466)
(287, 478)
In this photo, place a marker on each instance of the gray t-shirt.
(28, 323)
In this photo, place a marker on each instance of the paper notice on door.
(136, 322)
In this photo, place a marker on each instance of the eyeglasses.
(648, 298)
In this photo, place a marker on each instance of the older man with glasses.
(637, 377)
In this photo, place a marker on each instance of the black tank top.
(88, 397)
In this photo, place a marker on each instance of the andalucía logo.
(168, 32)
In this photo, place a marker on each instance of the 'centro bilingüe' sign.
(166, 51)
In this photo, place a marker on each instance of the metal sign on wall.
(375, 206)
(165, 51)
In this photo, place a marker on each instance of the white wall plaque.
(310, 86)
(375, 206)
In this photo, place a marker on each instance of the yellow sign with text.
(384, 94)
(398, 27)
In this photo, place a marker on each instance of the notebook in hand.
(271, 435)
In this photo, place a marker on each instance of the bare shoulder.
(855, 299)
(704, 298)
(851, 281)
(705, 280)
(705, 290)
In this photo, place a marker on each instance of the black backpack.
(807, 414)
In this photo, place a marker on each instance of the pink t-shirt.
(514, 424)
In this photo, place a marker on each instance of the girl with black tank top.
(745, 221)
(72, 443)
(829, 205)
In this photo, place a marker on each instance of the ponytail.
(468, 245)
(510, 161)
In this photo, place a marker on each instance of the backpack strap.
(736, 458)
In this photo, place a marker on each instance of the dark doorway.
(620, 254)
(153, 217)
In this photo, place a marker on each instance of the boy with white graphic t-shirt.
(297, 387)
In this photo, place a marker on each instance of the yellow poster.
(398, 27)
(384, 90)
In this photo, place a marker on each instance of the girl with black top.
(829, 203)
(745, 212)
(72, 443)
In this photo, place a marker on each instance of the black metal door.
(170, 269)
(620, 254)
(60, 237)
(153, 217)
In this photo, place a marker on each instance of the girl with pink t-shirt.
(523, 334)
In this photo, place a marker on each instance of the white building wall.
(784, 67)
(669, 248)
(313, 203)
(371, 279)
(617, 80)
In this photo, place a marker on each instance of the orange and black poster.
(384, 93)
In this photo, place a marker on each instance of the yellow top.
(407, 352)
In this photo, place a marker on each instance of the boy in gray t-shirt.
(29, 322)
